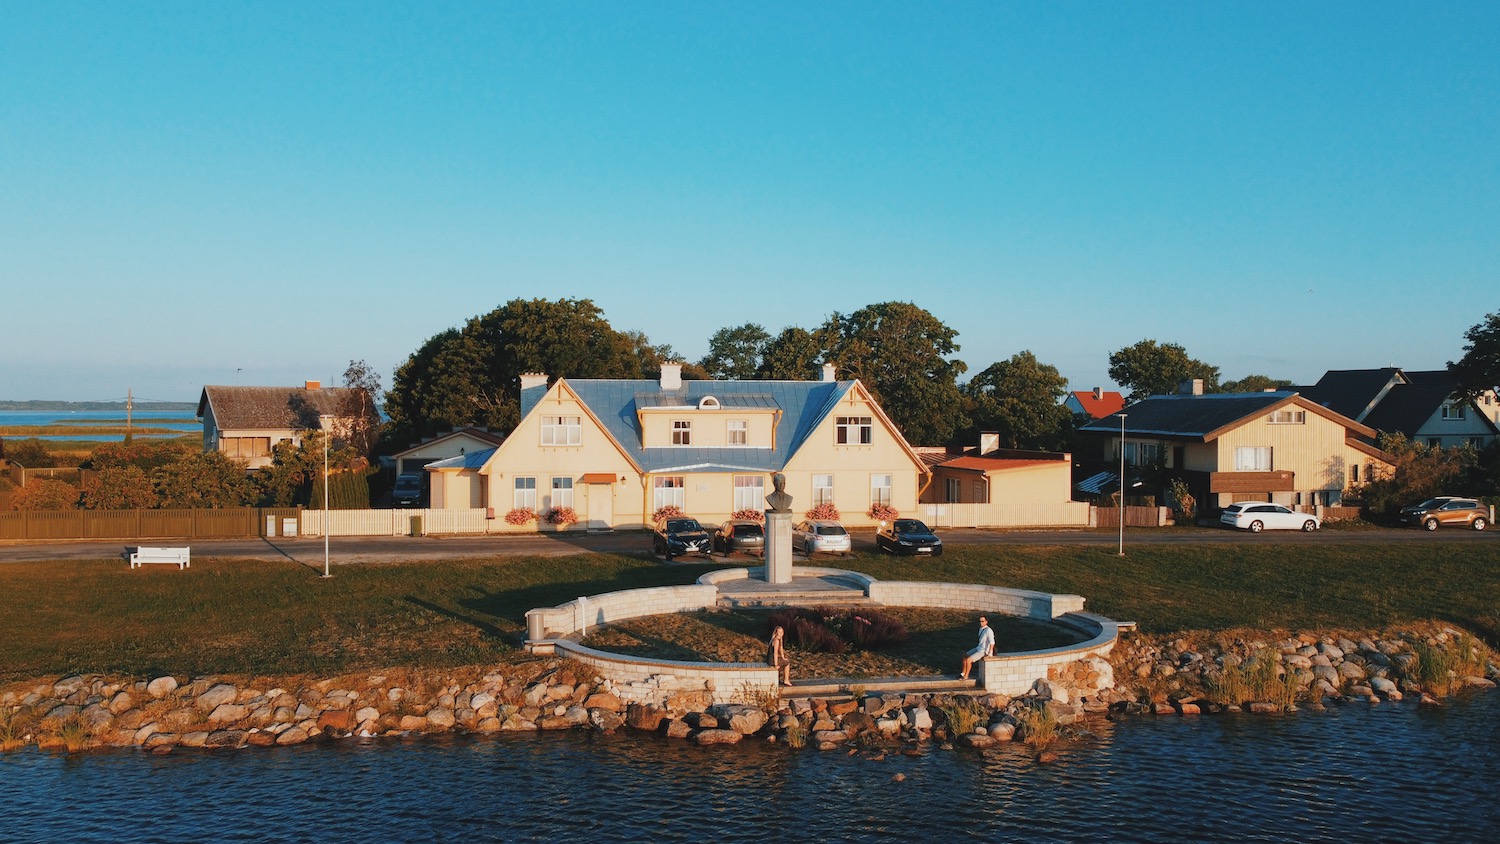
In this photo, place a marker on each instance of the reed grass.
(14, 727)
(1036, 723)
(963, 714)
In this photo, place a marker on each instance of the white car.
(822, 535)
(1256, 516)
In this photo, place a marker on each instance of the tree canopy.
(1150, 369)
(1479, 369)
(900, 353)
(735, 353)
(1021, 400)
(472, 375)
(792, 355)
(1255, 384)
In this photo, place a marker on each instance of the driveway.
(395, 549)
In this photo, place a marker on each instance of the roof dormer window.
(708, 403)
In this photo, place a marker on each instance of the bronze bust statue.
(779, 501)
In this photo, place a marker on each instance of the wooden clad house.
(246, 422)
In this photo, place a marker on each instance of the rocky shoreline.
(1182, 675)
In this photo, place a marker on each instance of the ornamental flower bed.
(824, 512)
(520, 516)
(884, 512)
(671, 511)
(748, 515)
(831, 631)
(562, 516)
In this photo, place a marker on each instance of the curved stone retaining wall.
(652, 681)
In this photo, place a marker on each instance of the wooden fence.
(1005, 515)
(145, 524)
(1109, 517)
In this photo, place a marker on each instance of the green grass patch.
(253, 617)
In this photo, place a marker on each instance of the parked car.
(740, 535)
(1447, 510)
(408, 490)
(680, 535)
(1256, 516)
(908, 536)
(821, 535)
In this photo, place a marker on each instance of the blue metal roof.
(803, 404)
(469, 460)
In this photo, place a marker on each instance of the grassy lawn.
(251, 617)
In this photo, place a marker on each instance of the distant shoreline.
(139, 407)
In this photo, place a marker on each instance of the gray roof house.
(1422, 405)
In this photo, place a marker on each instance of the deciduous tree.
(1420, 471)
(792, 355)
(1021, 400)
(45, 494)
(206, 479)
(735, 353)
(900, 352)
(1479, 369)
(361, 428)
(1255, 384)
(1150, 369)
(119, 487)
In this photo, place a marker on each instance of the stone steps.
(827, 686)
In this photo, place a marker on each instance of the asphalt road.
(344, 550)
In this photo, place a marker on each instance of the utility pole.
(129, 405)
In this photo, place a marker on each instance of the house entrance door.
(601, 506)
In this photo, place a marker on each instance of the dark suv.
(1447, 510)
(678, 535)
(740, 535)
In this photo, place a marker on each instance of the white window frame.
(682, 432)
(1287, 417)
(669, 489)
(952, 490)
(822, 489)
(562, 430)
(880, 490)
(1454, 411)
(525, 493)
(737, 432)
(562, 492)
(749, 492)
(1253, 458)
(854, 430)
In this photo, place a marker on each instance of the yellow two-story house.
(1271, 446)
(617, 451)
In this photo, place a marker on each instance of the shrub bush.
(670, 511)
(884, 512)
(520, 516)
(749, 515)
(45, 494)
(870, 630)
(825, 512)
(562, 516)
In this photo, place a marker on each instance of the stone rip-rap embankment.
(1181, 675)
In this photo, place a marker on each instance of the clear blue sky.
(259, 193)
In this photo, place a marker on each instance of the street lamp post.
(1122, 485)
(326, 572)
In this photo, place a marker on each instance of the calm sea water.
(1393, 772)
(182, 420)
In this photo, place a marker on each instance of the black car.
(408, 490)
(908, 536)
(740, 535)
(679, 535)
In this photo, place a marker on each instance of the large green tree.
(1150, 369)
(901, 353)
(122, 487)
(1479, 369)
(792, 355)
(472, 375)
(1254, 384)
(1021, 400)
(734, 353)
(206, 479)
(362, 428)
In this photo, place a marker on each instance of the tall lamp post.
(324, 421)
(1122, 485)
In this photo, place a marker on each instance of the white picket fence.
(399, 523)
(1063, 514)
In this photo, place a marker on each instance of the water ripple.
(1376, 773)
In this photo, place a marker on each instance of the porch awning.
(598, 477)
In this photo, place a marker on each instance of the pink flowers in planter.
(561, 516)
(748, 515)
(824, 512)
(884, 512)
(520, 516)
(670, 511)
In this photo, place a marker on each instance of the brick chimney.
(671, 376)
(830, 372)
(1098, 393)
(313, 385)
(1190, 387)
(532, 379)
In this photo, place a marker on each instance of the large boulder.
(225, 713)
(743, 719)
(644, 717)
(217, 696)
(707, 737)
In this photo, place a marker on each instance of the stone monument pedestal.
(778, 547)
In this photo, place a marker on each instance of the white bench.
(179, 557)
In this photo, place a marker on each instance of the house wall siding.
(1314, 451)
(710, 427)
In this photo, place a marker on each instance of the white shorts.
(975, 655)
